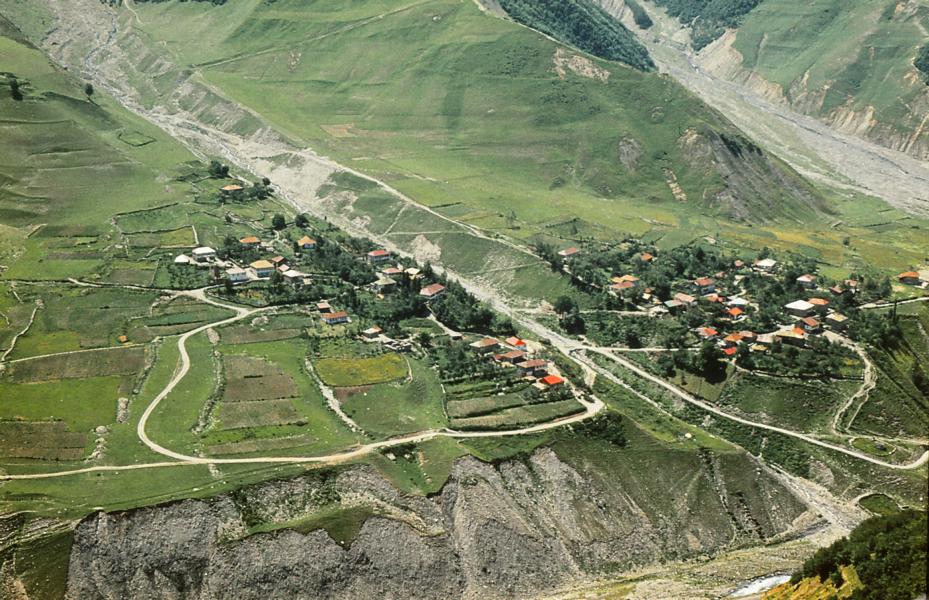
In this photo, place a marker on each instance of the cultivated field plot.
(79, 365)
(520, 416)
(487, 405)
(340, 372)
(175, 238)
(474, 407)
(44, 440)
(256, 395)
(245, 334)
(260, 413)
(162, 218)
(269, 386)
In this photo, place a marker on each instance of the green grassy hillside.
(501, 128)
(453, 105)
(69, 163)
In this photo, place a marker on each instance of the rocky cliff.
(514, 529)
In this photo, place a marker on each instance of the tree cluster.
(888, 553)
(708, 19)
(583, 24)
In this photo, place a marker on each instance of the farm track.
(249, 154)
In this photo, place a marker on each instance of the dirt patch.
(579, 65)
(341, 131)
(425, 250)
(344, 393)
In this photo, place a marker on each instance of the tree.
(15, 92)
(217, 170)
(302, 220)
(278, 221)
(424, 339)
(564, 305)
(89, 91)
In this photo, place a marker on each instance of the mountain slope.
(848, 63)
(452, 105)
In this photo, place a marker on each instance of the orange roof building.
(552, 380)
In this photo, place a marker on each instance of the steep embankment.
(512, 530)
(850, 64)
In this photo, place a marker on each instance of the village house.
(306, 243)
(372, 332)
(730, 351)
(515, 342)
(851, 285)
(646, 257)
(737, 302)
(378, 256)
(413, 273)
(335, 318)
(250, 241)
(182, 259)
(626, 279)
(552, 381)
(909, 278)
(837, 321)
(765, 265)
(820, 305)
(535, 367)
(799, 308)
(568, 253)
(323, 307)
(735, 313)
(432, 291)
(392, 272)
(512, 357)
(807, 281)
(621, 288)
(810, 325)
(760, 348)
(738, 264)
(262, 268)
(794, 337)
(706, 333)
(837, 290)
(385, 285)
(704, 285)
(714, 298)
(685, 299)
(748, 337)
(278, 262)
(232, 187)
(236, 275)
(485, 345)
(731, 340)
(296, 278)
(204, 254)
(673, 306)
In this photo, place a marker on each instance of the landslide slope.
(848, 63)
(452, 105)
(516, 529)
